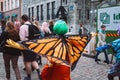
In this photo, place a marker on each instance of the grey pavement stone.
(86, 69)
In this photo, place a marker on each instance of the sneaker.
(27, 78)
(97, 62)
(106, 62)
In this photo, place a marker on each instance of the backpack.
(34, 32)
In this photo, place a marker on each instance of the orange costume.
(56, 71)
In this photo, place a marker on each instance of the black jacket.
(7, 50)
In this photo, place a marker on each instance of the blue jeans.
(106, 56)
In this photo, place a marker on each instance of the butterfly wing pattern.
(68, 49)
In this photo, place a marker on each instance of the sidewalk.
(86, 69)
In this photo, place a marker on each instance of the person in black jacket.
(10, 54)
(3, 24)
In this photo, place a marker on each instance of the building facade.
(1, 9)
(44, 10)
(78, 11)
(12, 9)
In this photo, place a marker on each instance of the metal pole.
(83, 15)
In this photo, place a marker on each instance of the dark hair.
(25, 17)
(51, 22)
(3, 22)
(103, 26)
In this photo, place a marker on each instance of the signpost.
(110, 17)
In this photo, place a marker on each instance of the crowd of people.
(19, 31)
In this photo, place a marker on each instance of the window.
(15, 3)
(1, 6)
(12, 4)
(65, 1)
(8, 4)
(41, 12)
(79, 14)
(87, 14)
(32, 13)
(48, 11)
(53, 10)
(29, 13)
(38, 11)
(5, 5)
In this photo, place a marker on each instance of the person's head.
(45, 27)
(81, 25)
(36, 23)
(51, 23)
(24, 18)
(9, 26)
(16, 19)
(3, 22)
(103, 27)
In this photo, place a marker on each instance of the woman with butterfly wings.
(62, 51)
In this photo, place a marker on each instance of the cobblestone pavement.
(86, 69)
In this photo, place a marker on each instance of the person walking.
(101, 41)
(39, 58)
(17, 24)
(29, 57)
(115, 68)
(118, 32)
(3, 25)
(51, 24)
(45, 29)
(10, 54)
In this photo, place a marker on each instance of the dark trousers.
(106, 56)
(114, 71)
(14, 59)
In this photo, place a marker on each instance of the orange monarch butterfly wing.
(68, 49)
(53, 47)
(76, 45)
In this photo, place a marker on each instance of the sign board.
(110, 17)
(71, 7)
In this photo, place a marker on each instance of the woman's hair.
(10, 26)
(36, 23)
(12, 31)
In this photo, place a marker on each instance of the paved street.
(86, 69)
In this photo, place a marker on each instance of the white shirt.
(23, 33)
(101, 39)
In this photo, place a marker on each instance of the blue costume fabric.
(101, 48)
(115, 69)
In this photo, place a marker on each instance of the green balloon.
(60, 27)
